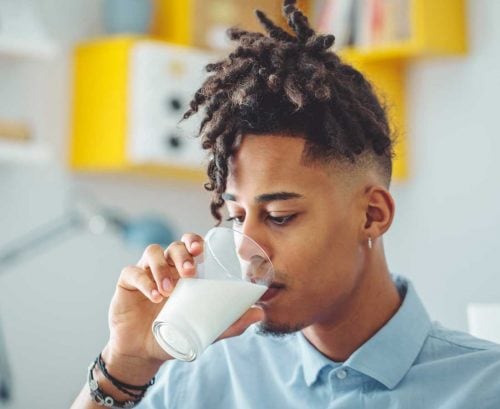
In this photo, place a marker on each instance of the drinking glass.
(232, 273)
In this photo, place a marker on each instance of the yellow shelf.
(437, 28)
(98, 140)
(152, 170)
(395, 51)
(100, 105)
(101, 126)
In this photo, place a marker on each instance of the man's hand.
(141, 292)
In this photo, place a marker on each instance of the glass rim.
(241, 234)
(259, 247)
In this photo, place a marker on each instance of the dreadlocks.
(289, 84)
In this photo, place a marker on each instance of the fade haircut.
(289, 84)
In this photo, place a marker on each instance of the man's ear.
(379, 211)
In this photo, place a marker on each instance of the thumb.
(253, 315)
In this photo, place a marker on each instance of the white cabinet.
(163, 79)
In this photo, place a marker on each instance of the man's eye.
(236, 219)
(277, 220)
(281, 220)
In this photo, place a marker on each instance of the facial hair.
(266, 328)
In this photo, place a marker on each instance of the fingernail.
(155, 293)
(195, 245)
(166, 284)
(187, 265)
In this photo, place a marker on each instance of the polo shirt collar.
(312, 360)
(389, 354)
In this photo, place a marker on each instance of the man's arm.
(132, 354)
(128, 370)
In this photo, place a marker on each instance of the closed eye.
(238, 220)
(276, 220)
(281, 220)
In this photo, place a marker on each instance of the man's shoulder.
(445, 344)
(460, 340)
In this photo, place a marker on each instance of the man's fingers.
(153, 259)
(133, 278)
(253, 315)
(194, 243)
(179, 257)
(166, 266)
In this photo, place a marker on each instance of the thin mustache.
(280, 281)
(258, 262)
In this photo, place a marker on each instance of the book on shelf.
(335, 17)
(363, 23)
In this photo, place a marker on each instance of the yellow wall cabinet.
(129, 92)
(437, 28)
(129, 95)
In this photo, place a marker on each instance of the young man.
(300, 151)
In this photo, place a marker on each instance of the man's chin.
(275, 329)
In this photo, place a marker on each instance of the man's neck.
(375, 302)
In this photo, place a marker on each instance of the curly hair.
(289, 84)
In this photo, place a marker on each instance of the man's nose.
(247, 249)
(254, 261)
(252, 243)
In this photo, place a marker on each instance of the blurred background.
(94, 165)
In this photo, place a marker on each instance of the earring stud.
(370, 244)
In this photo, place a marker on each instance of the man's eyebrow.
(267, 197)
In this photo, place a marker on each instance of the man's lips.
(272, 291)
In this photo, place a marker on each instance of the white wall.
(445, 235)
(53, 304)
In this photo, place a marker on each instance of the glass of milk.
(232, 273)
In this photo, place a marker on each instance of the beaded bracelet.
(117, 384)
(103, 399)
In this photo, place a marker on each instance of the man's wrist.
(129, 369)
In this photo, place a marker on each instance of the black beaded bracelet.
(100, 397)
(103, 399)
(117, 384)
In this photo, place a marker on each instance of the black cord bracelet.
(119, 384)
(115, 382)
(105, 400)
(102, 398)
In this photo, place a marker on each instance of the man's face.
(309, 220)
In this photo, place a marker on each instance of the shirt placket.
(343, 381)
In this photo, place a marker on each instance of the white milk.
(201, 309)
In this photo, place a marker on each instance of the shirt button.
(342, 374)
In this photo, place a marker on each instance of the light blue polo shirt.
(410, 363)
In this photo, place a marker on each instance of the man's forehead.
(269, 155)
(266, 182)
(266, 197)
(270, 164)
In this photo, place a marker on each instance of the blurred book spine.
(363, 23)
(336, 17)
